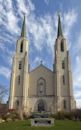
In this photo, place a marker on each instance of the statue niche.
(41, 87)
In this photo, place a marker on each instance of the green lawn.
(25, 125)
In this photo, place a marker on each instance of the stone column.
(12, 85)
(25, 82)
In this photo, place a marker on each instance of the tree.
(3, 93)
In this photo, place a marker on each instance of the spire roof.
(59, 33)
(23, 31)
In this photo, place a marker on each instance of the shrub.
(73, 115)
(11, 115)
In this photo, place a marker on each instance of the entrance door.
(41, 106)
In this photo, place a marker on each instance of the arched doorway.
(41, 106)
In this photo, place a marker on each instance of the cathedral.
(42, 89)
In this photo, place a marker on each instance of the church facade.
(41, 89)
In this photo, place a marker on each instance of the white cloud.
(31, 5)
(78, 103)
(36, 62)
(22, 8)
(69, 20)
(77, 94)
(12, 23)
(77, 44)
(76, 49)
(77, 72)
(77, 81)
(43, 29)
(4, 71)
(8, 3)
(8, 18)
(2, 46)
(46, 1)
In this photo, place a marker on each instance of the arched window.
(63, 64)
(63, 79)
(20, 64)
(19, 80)
(41, 87)
(62, 46)
(64, 104)
(21, 47)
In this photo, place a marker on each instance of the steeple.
(23, 32)
(59, 33)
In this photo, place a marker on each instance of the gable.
(41, 67)
(36, 74)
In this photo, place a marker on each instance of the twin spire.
(59, 32)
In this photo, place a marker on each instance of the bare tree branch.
(3, 92)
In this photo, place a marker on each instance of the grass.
(25, 125)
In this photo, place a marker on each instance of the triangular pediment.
(41, 67)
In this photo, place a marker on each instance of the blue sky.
(41, 21)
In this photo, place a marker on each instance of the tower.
(63, 75)
(19, 75)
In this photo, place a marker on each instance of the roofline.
(39, 66)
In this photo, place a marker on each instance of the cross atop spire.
(59, 33)
(23, 32)
(41, 62)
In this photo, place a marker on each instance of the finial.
(58, 13)
(41, 62)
